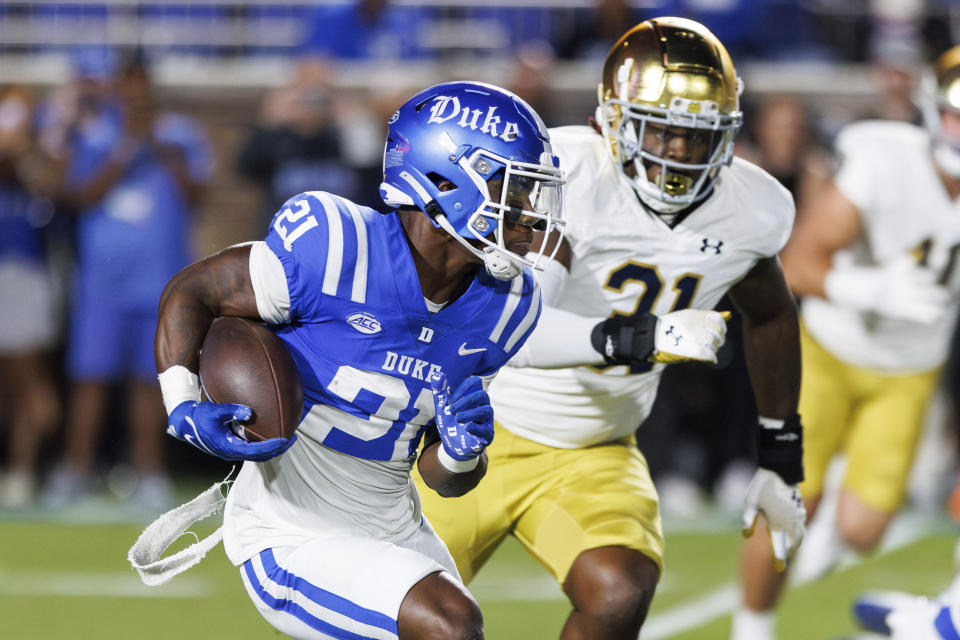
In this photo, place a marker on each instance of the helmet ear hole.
(440, 182)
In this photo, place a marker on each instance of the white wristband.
(453, 465)
(178, 384)
(771, 423)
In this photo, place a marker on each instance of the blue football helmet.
(491, 152)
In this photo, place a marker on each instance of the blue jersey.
(362, 336)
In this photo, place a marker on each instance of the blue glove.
(464, 417)
(208, 427)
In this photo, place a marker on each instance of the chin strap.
(497, 264)
(500, 266)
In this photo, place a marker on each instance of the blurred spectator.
(297, 146)
(366, 29)
(132, 176)
(896, 60)
(530, 77)
(782, 141)
(27, 323)
(590, 37)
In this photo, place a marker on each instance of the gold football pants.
(875, 419)
(557, 502)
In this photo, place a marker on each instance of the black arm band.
(781, 450)
(625, 339)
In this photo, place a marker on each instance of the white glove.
(689, 334)
(782, 507)
(902, 290)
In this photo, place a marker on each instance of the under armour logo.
(608, 347)
(706, 245)
(674, 336)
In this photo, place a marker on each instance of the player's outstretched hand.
(690, 334)
(782, 507)
(209, 427)
(901, 290)
(464, 416)
(912, 293)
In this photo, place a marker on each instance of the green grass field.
(69, 579)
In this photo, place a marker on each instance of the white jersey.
(627, 260)
(887, 171)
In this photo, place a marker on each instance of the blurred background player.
(663, 220)
(447, 297)
(875, 258)
(28, 324)
(132, 175)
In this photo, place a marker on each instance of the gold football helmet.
(942, 93)
(668, 78)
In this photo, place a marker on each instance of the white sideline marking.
(723, 600)
(716, 603)
(83, 584)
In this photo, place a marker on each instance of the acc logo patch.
(394, 117)
(364, 322)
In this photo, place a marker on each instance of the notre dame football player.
(662, 221)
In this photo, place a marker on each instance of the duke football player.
(396, 323)
(875, 259)
(662, 221)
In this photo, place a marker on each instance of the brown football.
(243, 362)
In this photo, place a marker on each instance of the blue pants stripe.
(944, 625)
(322, 597)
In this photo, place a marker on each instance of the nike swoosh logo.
(465, 352)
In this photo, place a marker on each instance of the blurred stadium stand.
(215, 58)
(803, 46)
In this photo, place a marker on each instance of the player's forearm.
(215, 286)
(805, 269)
(561, 339)
(772, 351)
(447, 483)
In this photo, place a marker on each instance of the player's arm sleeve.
(269, 284)
(561, 338)
(300, 237)
(854, 175)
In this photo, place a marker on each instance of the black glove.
(781, 450)
(625, 339)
